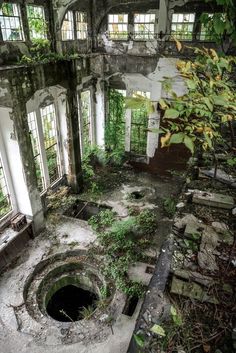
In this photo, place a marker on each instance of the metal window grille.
(144, 26)
(86, 119)
(118, 26)
(81, 25)
(139, 126)
(182, 25)
(10, 22)
(48, 118)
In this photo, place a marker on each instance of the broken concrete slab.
(194, 277)
(191, 290)
(207, 261)
(221, 176)
(212, 199)
(193, 230)
(225, 236)
(139, 273)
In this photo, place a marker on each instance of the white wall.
(13, 158)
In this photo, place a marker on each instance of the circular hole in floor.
(71, 303)
(136, 195)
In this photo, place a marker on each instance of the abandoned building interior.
(91, 204)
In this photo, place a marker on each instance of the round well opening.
(137, 195)
(71, 303)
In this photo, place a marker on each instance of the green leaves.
(177, 138)
(140, 340)
(177, 319)
(171, 114)
(158, 330)
(189, 143)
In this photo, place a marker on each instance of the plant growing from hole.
(122, 247)
(87, 313)
(102, 220)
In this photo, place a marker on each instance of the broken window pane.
(144, 26)
(37, 23)
(182, 26)
(10, 22)
(32, 123)
(139, 126)
(5, 200)
(67, 29)
(81, 25)
(118, 26)
(49, 124)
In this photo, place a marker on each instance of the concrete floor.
(62, 235)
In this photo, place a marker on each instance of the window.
(206, 27)
(37, 23)
(5, 200)
(115, 124)
(118, 26)
(48, 117)
(85, 123)
(10, 22)
(144, 26)
(182, 26)
(139, 126)
(67, 29)
(81, 25)
(36, 150)
(45, 145)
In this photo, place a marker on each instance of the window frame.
(42, 148)
(121, 39)
(91, 122)
(176, 23)
(77, 22)
(45, 36)
(72, 30)
(153, 34)
(9, 17)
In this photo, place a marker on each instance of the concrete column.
(162, 20)
(75, 179)
(19, 116)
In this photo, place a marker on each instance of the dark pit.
(67, 304)
(137, 195)
(85, 210)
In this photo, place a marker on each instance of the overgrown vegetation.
(123, 244)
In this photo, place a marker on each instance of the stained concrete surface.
(64, 234)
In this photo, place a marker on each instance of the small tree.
(196, 118)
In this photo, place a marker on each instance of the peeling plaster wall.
(22, 202)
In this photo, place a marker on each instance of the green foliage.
(115, 128)
(86, 313)
(102, 220)
(169, 205)
(195, 119)
(231, 162)
(220, 26)
(146, 220)
(123, 246)
(60, 198)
